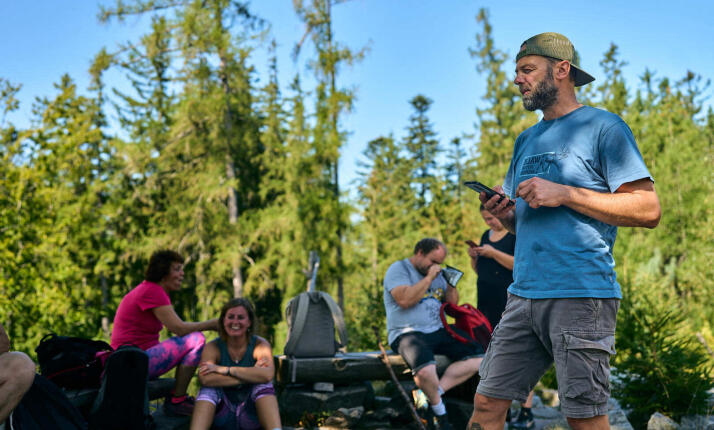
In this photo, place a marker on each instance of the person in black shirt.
(492, 261)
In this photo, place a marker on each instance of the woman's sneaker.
(184, 407)
(420, 400)
(524, 420)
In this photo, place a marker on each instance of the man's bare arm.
(633, 204)
(407, 296)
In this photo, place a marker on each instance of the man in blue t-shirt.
(413, 292)
(575, 176)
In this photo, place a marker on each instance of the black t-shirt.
(494, 279)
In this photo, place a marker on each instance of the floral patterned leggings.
(184, 350)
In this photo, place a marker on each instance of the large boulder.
(661, 422)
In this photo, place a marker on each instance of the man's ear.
(562, 70)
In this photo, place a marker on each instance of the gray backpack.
(312, 318)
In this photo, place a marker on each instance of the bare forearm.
(190, 327)
(505, 260)
(407, 296)
(226, 376)
(253, 375)
(220, 379)
(638, 208)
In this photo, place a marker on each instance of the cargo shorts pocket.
(587, 365)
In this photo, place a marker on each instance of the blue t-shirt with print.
(560, 252)
(424, 316)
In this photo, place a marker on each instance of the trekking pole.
(418, 421)
(313, 265)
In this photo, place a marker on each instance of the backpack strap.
(447, 326)
(338, 317)
(299, 323)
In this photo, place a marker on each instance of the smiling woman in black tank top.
(236, 373)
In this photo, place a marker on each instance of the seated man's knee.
(20, 369)
(428, 371)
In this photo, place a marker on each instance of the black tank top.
(494, 279)
(239, 393)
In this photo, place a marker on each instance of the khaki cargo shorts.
(577, 334)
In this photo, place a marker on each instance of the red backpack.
(469, 321)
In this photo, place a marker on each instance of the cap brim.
(581, 77)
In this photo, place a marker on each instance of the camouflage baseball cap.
(556, 46)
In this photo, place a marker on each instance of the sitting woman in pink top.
(145, 310)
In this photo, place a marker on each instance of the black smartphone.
(479, 188)
(471, 243)
(452, 275)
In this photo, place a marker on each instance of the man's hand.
(433, 272)
(497, 205)
(539, 192)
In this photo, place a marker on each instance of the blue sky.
(415, 46)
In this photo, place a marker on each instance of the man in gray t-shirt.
(413, 292)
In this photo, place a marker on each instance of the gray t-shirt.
(562, 253)
(424, 316)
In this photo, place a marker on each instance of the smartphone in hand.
(481, 188)
(471, 243)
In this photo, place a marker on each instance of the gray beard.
(544, 95)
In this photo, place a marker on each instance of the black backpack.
(71, 362)
(123, 399)
(45, 407)
(312, 318)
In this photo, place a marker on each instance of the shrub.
(660, 367)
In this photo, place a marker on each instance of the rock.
(549, 397)
(537, 401)
(546, 413)
(325, 387)
(618, 419)
(294, 401)
(697, 422)
(344, 418)
(381, 402)
(661, 422)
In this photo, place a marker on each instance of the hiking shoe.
(442, 422)
(524, 421)
(420, 400)
(182, 408)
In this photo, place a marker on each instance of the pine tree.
(389, 228)
(423, 147)
(503, 118)
(331, 104)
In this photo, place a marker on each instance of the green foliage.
(659, 368)
(243, 179)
